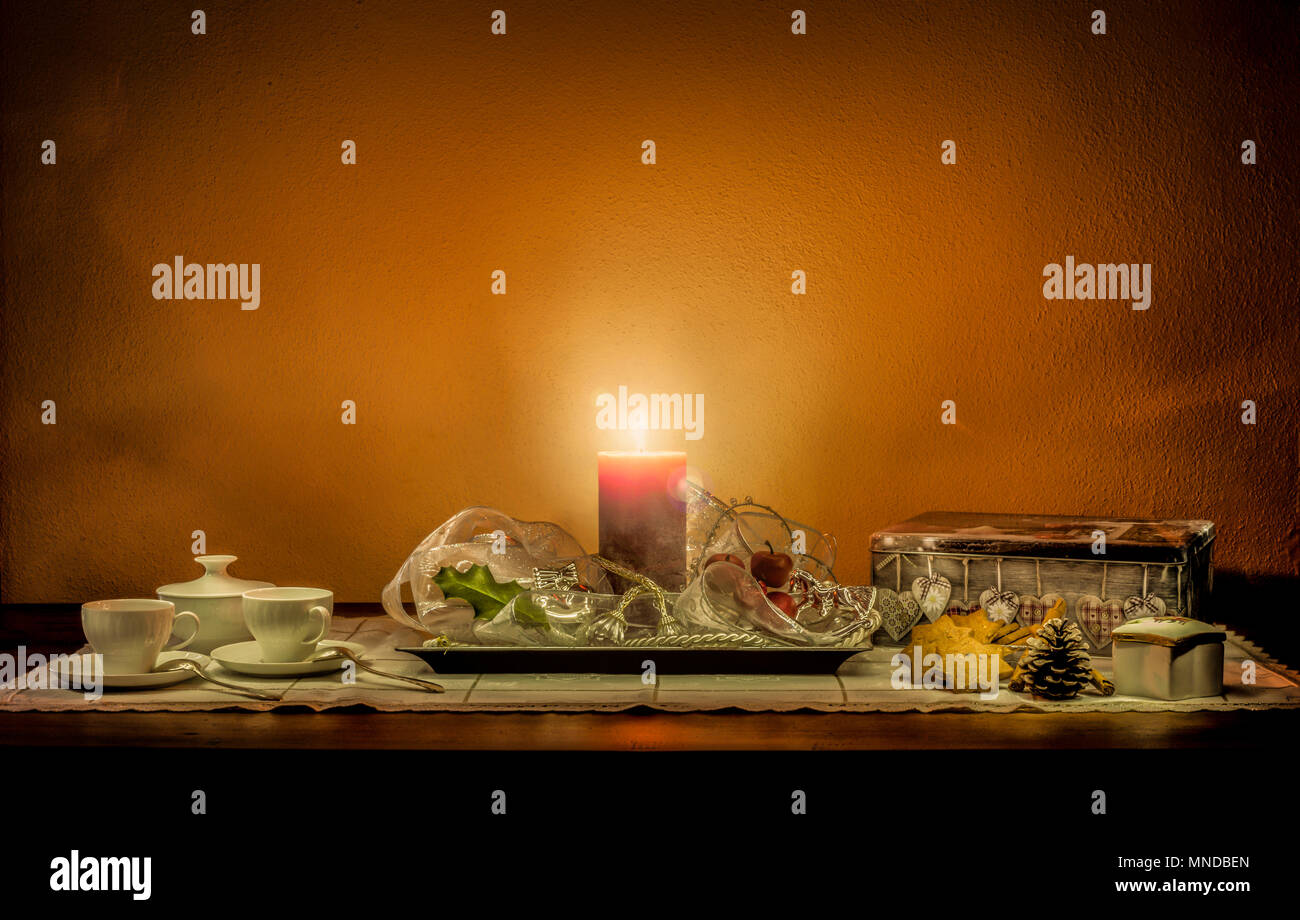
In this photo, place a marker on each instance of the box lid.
(1056, 536)
(1170, 631)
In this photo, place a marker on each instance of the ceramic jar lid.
(215, 582)
(1170, 631)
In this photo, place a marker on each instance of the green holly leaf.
(527, 613)
(477, 586)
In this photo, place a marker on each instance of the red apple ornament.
(784, 603)
(771, 569)
(725, 557)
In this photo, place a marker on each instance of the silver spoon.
(337, 651)
(184, 664)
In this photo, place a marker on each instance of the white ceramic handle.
(324, 615)
(190, 617)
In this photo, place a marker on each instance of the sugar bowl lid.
(214, 582)
(1168, 630)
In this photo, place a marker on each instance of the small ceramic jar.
(218, 599)
(1168, 658)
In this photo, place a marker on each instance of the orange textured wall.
(522, 152)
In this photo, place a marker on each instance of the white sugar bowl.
(218, 599)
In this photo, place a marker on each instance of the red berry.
(784, 603)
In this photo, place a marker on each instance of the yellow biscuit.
(981, 627)
(940, 630)
(945, 637)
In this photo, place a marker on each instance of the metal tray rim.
(613, 659)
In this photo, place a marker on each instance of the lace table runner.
(861, 685)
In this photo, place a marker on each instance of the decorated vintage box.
(1020, 566)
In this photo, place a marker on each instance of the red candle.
(643, 514)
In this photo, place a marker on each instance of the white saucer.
(246, 658)
(132, 681)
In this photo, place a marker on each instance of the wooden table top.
(56, 628)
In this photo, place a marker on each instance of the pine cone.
(1056, 665)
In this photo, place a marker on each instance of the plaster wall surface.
(522, 152)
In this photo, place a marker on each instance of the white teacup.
(288, 623)
(130, 633)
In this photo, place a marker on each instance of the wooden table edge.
(648, 730)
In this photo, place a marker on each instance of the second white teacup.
(288, 623)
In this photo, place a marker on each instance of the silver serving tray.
(503, 659)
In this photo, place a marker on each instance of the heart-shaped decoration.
(1000, 605)
(1031, 610)
(932, 593)
(1034, 610)
(898, 613)
(960, 608)
(1148, 605)
(1097, 618)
